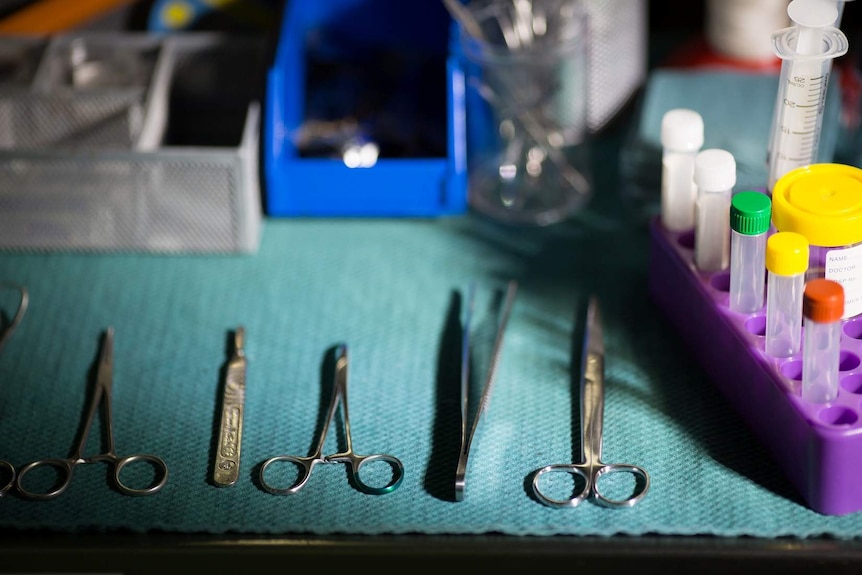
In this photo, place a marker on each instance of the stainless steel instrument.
(66, 467)
(592, 400)
(467, 439)
(227, 460)
(354, 461)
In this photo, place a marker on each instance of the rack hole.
(756, 325)
(853, 329)
(721, 281)
(838, 415)
(686, 240)
(852, 383)
(848, 361)
(792, 369)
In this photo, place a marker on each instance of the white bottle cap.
(682, 130)
(714, 170)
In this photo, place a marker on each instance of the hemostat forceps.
(66, 467)
(354, 461)
(592, 401)
(5, 334)
(467, 440)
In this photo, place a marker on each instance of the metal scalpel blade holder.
(226, 469)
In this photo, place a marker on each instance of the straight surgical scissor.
(592, 402)
(355, 462)
(65, 467)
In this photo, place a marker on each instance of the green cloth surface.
(386, 288)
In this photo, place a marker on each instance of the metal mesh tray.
(128, 142)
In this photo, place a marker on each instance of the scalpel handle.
(226, 468)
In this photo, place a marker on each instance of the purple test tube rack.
(817, 446)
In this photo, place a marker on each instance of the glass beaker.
(526, 110)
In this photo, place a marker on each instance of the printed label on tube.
(845, 267)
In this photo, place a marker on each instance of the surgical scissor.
(355, 462)
(592, 402)
(66, 467)
(5, 334)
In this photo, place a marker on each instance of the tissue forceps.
(4, 337)
(467, 440)
(354, 461)
(592, 402)
(66, 467)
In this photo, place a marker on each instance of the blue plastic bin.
(394, 186)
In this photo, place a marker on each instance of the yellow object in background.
(178, 14)
(174, 15)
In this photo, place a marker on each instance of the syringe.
(807, 50)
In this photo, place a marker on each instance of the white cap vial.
(681, 138)
(682, 130)
(714, 170)
(714, 176)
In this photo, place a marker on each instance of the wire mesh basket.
(126, 142)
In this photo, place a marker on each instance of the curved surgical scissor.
(65, 467)
(4, 336)
(354, 461)
(592, 403)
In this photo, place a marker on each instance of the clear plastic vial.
(786, 263)
(714, 176)
(822, 308)
(681, 140)
(749, 221)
